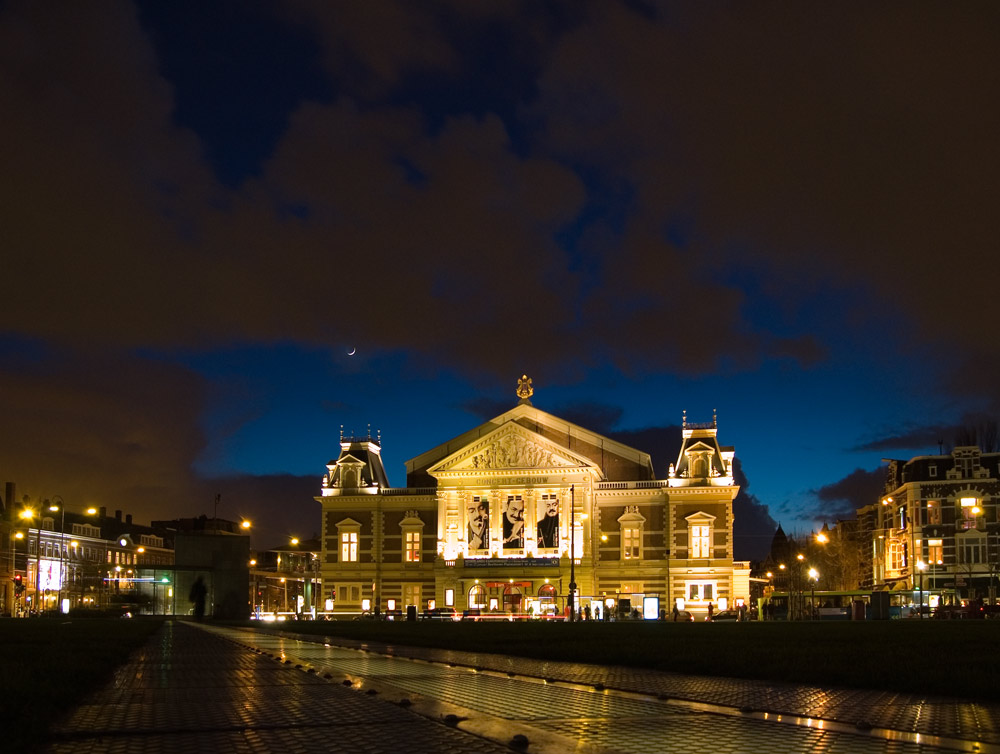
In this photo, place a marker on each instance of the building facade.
(935, 528)
(503, 518)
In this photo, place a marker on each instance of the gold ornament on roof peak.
(524, 389)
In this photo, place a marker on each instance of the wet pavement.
(229, 689)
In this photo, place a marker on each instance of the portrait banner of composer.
(479, 524)
(513, 523)
(548, 524)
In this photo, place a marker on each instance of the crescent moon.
(352, 351)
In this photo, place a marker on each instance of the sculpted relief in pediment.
(515, 452)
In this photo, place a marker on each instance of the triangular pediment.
(511, 448)
(699, 447)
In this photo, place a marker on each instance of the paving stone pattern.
(578, 705)
(192, 690)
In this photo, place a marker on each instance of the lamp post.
(801, 558)
(814, 577)
(13, 570)
(28, 514)
(572, 553)
(61, 507)
(782, 567)
(921, 566)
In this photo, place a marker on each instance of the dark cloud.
(974, 428)
(753, 526)
(485, 408)
(279, 506)
(842, 498)
(598, 417)
(97, 429)
(919, 439)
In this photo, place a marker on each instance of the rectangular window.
(412, 547)
(972, 550)
(349, 547)
(631, 542)
(449, 597)
(701, 591)
(932, 470)
(933, 512)
(935, 551)
(700, 541)
(411, 594)
(348, 593)
(897, 556)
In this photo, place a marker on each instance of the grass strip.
(49, 665)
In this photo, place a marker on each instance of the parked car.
(683, 616)
(726, 615)
(442, 613)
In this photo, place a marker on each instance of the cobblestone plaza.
(196, 687)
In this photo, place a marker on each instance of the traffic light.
(18, 584)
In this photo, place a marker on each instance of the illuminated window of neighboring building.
(477, 596)
(935, 551)
(933, 512)
(970, 512)
(412, 547)
(897, 555)
(411, 594)
(449, 597)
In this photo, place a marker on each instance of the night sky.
(785, 212)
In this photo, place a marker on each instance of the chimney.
(9, 495)
(128, 518)
(118, 515)
(102, 512)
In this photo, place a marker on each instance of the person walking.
(197, 596)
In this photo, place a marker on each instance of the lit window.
(412, 547)
(449, 597)
(631, 542)
(477, 596)
(349, 547)
(411, 594)
(700, 541)
(935, 551)
(933, 512)
(701, 591)
(897, 555)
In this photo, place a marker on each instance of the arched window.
(477, 596)
(547, 592)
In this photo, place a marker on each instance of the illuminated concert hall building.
(503, 518)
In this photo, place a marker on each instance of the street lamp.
(814, 577)
(61, 507)
(921, 566)
(572, 553)
(28, 514)
(798, 578)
